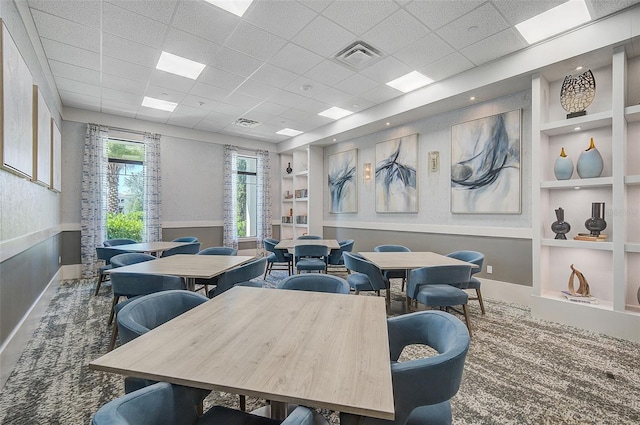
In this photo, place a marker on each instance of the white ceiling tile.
(72, 72)
(515, 11)
(274, 76)
(171, 81)
(151, 114)
(317, 5)
(235, 62)
(183, 120)
(123, 84)
(359, 16)
(221, 117)
(356, 84)
(74, 99)
(296, 59)
(207, 91)
(80, 11)
(212, 126)
(424, 51)
(71, 55)
(473, 27)
(286, 98)
(199, 102)
(72, 86)
(189, 111)
(493, 47)
(329, 72)
(256, 89)
(205, 20)
(335, 97)
(164, 93)
(395, 32)
(314, 121)
(296, 115)
(232, 111)
(254, 41)
(283, 17)
(386, 69)
(324, 37)
(242, 100)
(189, 46)
(437, 13)
(122, 97)
(271, 108)
(256, 115)
(67, 32)
(159, 10)
(132, 26)
(381, 94)
(119, 108)
(450, 65)
(306, 87)
(124, 69)
(313, 106)
(604, 8)
(129, 51)
(219, 78)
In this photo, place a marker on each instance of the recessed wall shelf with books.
(610, 264)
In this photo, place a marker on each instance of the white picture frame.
(41, 139)
(56, 158)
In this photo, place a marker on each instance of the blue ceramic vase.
(563, 167)
(590, 162)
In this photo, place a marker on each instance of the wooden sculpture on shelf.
(583, 288)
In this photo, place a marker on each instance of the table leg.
(191, 283)
(279, 410)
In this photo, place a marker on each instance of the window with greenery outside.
(125, 190)
(246, 196)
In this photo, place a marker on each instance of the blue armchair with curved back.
(476, 258)
(335, 255)
(365, 276)
(277, 257)
(315, 283)
(310, 258)
(394, 273)
(240, 275)
(105, 254)
(116, 242)
(214, 250)
(185, 239)
(423, 387)
(190, 248)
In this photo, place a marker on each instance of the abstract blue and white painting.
(396, 175)
(485, 165)
(343, 182)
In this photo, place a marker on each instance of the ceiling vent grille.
(358, 55)
(246, 123)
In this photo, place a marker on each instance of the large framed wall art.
(342, 180)
(485, 165)
(16, 115)
(396, 175)
(41, 139)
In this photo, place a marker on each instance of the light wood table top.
(149, 247)
(187, 265)
(410, 260)
(316, 349)
(291, 243)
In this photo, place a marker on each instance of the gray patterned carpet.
(519, 370)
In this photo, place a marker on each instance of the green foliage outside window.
(241, 199)
(121, 225)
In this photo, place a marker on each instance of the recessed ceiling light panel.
(335, 113)
(554, 21)
(237, 7)
(289, 132)
(409, 82)
(163, 105)
(179, 66)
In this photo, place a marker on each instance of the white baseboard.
(507, 292)
(14, 345)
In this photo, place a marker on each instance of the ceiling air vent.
(247, 123)
(358, 55)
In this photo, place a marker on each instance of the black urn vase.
(560, 227)
(288, 169)
(596, 224)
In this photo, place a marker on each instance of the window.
(125, 189)
(246, 196)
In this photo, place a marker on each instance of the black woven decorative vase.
(560, 227)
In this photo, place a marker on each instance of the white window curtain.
(152, 225)
(230, 230)
(93, 221)
(264, 199)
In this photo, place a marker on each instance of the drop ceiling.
(276, 65)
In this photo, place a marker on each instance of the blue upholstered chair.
(440, 286)
(365, 276)
(186, 239)
(335, 255)
(309, 237)
(240, 275)
(167, 404)
(394, 274)
(315, 283)
(423, 387)
(105, 254)
(310, 258)
(278, 259)
(476, 258)
(131, 285)
(116, 242)
(214, 250)
(128, 258)
(150, 311)
(190, 248)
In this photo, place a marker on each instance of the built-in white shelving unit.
(612, 267)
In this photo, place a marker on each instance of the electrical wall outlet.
(489, 269)
(59, 260)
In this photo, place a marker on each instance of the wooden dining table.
(290, 244)
(315, 349)
(153, 248)
(389, 260)
(189, 266)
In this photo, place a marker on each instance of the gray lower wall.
(24, 277)
(510, 258)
